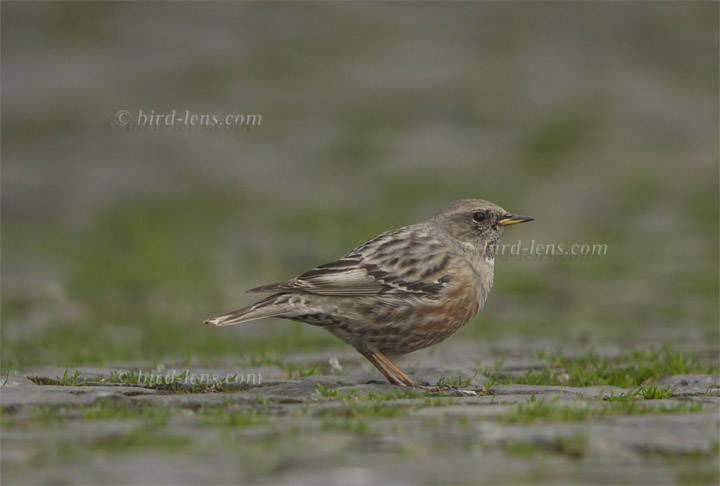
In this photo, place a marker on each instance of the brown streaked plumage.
(404, 290)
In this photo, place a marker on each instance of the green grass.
(336, 393)
(698, 477)
(633, 369)
(458, 382)
(371, 395)
(651, 392)
(352, 426)
(145, 280)
(200, 387)
(140, 438)
(436, 402)
(232, 417)
(365, 409)
(104, 409)
(374, 403)
(64, 380)
(114, 410)
(551, 411)
(573, 446)
(292, 370)
(61, 345)
(43, 415)
(519, 448)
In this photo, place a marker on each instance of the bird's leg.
(402, 376)
(371, 357)
(394, 369)
(394, 374)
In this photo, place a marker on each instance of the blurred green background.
(598, 119)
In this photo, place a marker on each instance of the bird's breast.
(483, 270)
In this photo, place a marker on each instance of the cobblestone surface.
(348, 427)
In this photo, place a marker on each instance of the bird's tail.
(264, 308)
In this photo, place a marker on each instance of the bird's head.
(476, 222)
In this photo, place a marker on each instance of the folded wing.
(398, 261)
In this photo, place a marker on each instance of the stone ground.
(342, 425)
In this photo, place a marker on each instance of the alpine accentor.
(404, 290)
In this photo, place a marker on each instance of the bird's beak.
(509, 219)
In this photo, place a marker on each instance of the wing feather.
(407, 260)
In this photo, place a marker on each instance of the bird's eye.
(479, 217)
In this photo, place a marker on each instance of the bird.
(401, 291)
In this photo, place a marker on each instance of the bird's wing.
(407, 260)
